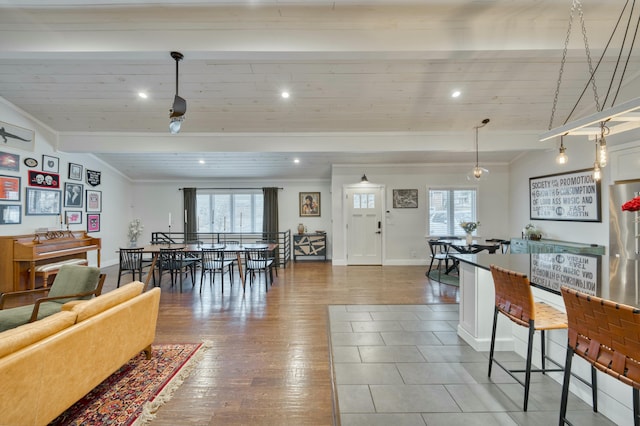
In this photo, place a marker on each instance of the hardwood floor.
(269, 363)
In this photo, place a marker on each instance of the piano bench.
(49, 269)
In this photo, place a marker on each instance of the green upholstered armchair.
(73, 282)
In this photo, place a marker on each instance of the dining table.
(238, 249)
(461, 245)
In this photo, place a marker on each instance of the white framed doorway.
(364, 213)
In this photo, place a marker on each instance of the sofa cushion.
(24, 335)
(73, 279)
(89, 308)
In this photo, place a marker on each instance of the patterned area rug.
(134, 393)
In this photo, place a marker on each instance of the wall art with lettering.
(93, 177)
(572, 196)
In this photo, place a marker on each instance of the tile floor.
(405, 365)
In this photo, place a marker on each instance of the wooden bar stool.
(607, 335)
(514, 299)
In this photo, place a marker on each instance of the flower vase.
(133, 242)
(469, 238)
(300, 229)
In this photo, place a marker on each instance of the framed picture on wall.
(9, 188)
(43, 179)
(73, 217)
(73, 194)
(309, 204)
(94, 201)
(50, 164)
(17, 137)
(405, 198)
(93, 223)
(9, 161)
(75, 171)
(10, 214)
(45, 202)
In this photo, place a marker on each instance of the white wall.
(115, 188)
(405, 230)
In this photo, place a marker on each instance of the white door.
(364, 225)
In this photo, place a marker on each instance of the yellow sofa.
(47, 365)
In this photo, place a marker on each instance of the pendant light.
(364, 179)
(597, 173)
(478, 171)
(562, 156)
(603, 145)
(179, 108)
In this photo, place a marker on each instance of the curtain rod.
(180, 189)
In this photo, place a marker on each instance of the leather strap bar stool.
(514, 299)
(607, 335)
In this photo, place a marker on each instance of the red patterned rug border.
(133, 394)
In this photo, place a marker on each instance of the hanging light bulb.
(597, 173)
(478, 171)
(562, 156)
(603, 145)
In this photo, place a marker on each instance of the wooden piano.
(21, 254)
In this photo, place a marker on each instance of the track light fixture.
(179, 107)
(478, 171)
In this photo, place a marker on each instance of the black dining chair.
(271, 254)
(130, 262)
(231, 256)
(257, 261)
(439, 253)
(213, 261)
(175, 261)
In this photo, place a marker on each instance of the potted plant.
(532, 233)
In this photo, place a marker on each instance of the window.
(449, 207)
(364, 201)
(229, 211)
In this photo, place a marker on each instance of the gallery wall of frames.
(69, 191)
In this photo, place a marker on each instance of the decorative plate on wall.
(30, 162)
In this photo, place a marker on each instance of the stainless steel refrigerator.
(624, 229)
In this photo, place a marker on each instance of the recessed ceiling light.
(285, 95)
(455, 94)
(143, 95)
(201, 161)
(295, 160)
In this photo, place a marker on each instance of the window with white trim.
(229, 211)
(448, 207)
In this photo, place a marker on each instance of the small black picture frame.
(75, 171)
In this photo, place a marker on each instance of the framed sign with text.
(572, 196)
